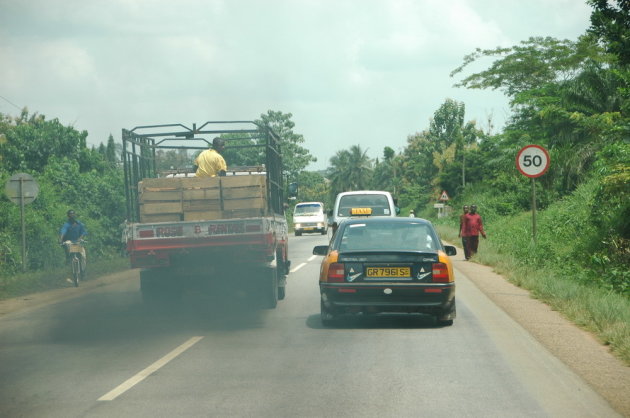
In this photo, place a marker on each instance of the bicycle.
(78, 260)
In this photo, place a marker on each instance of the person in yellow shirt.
(210, 163)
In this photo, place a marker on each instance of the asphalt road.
(102, 353)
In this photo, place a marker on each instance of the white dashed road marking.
(131, 382)
(299, 266)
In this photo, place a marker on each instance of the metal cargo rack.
(141, 143)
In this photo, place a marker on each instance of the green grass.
(38, 281)
(602, 312)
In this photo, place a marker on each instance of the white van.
(310, 217)
(382, 204)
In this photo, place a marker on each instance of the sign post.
(22, 189)
(533, 161)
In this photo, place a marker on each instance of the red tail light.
(440, 273)
(336, 273)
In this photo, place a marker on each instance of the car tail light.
(440, 273)
(336, 273)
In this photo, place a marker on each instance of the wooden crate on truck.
(202, 198)
(160, 200)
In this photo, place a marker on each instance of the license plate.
(310, 228)
(74, 248)
(388, 272)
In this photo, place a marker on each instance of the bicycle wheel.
(76, 270)
(82, 265)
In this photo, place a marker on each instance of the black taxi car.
(386, 265)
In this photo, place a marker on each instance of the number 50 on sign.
(532, 161)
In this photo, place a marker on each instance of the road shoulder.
(36, 300)
(577, 348)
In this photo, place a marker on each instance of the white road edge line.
(298, 267)
(131, 382)
(313, 257)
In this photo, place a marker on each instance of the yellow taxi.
(386, 265)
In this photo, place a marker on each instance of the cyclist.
(73, 230)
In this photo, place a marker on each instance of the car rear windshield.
(378, 202)
(308, 209)
(398, 236)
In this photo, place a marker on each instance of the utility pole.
(463, 168)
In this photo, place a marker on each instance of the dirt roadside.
(578, 349)
(36, 300)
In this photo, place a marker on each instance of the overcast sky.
(368, 72)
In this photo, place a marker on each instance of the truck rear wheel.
(270, 288)
(157, 289)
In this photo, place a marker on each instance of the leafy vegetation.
(69, 175)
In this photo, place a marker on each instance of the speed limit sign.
(532, 161)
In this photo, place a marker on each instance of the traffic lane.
(294, 367)
(57, 360)
(301, 248)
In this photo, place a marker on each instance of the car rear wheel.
(328, 318)
(445, 318)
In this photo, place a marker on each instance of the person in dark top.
(73, 230)
(462, 233)
(473, 226)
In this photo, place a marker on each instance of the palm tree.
(350, 170)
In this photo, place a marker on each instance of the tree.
(350, 170)
(313, 187)
(295, 158)
(386, 175)
(446, 125)
(529, 66)
(564, 95)
(610, 22)
(110, 152)
(31, 140)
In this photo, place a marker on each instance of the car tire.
(445, 318)
(327, 317)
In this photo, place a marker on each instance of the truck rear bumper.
(201, 256)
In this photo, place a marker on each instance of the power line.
(10, 102)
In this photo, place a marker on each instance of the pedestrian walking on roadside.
(473, 226)
(463, 234)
